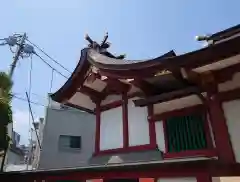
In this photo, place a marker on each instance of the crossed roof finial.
(102, 47)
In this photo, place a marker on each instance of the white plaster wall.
(160, 135)
(189, 179)
(138, 125)
(232, 114)
(111, 129)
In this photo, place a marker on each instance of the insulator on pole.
(28, 49)
(11, 40)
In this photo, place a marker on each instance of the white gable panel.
(160, 136)
(111, 129)
(138, 125)
(232, 114)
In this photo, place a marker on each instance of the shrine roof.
(225, 33)
(96, 75)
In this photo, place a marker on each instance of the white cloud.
(21, 125)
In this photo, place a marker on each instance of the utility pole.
(17, 54)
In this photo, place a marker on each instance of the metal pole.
(13, 65)
(17, 54)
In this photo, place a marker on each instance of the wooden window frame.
(209, 152)
(126, 148)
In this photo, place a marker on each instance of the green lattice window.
(186, 133)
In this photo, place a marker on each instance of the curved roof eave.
(127, 69)
(192, 59)
(75, 80)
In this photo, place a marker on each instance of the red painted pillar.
(219, 127)
(98, 123)
(125, 120)
(152, 130)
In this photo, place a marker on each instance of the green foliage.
(5, 109)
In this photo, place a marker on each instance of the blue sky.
(139, 28)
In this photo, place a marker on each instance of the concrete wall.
(14, 158)
(66, 122)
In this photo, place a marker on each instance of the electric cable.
(48, 56)
(50, 66)
(24, 100)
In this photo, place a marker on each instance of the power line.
(51, 66)
(25, 100)
(49, 56)
(32, 94)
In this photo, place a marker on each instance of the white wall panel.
(138, 125)
(111, 129)
(160, 135)
(232, 114)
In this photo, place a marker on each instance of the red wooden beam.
(125, 121)
(98, 127)
(152, 128)
(219, 126)
(167, 96)
(179, 112)
(229, 95)
(227, 73)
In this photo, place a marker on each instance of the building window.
(185, 133)
(69, 142)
